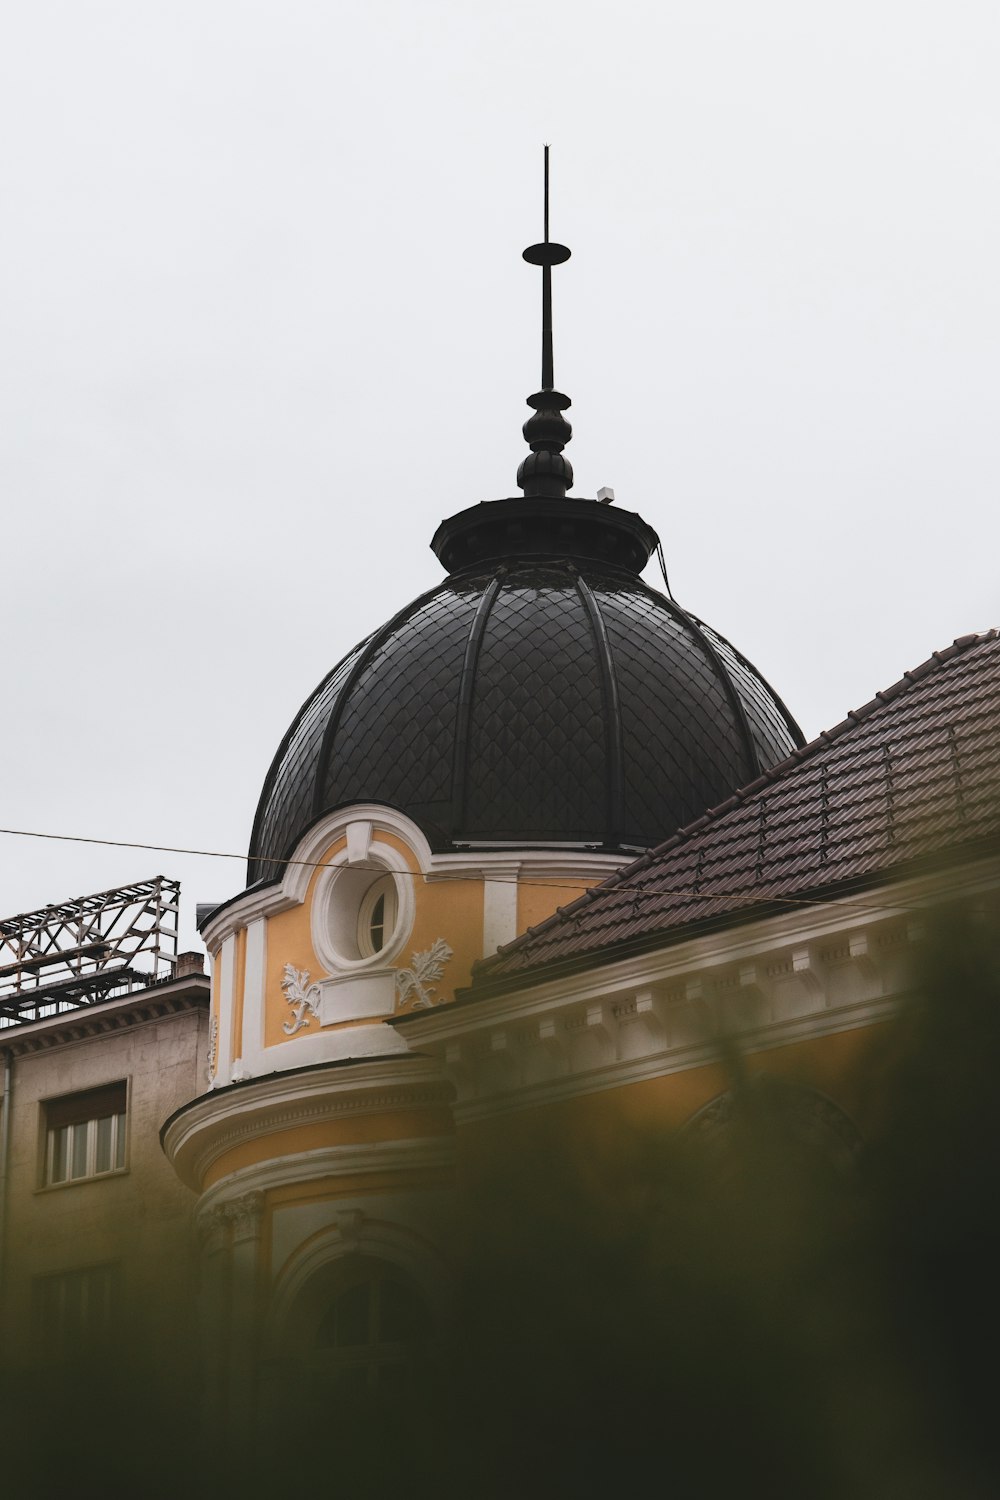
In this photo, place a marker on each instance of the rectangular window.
(75, 1309)
(85, 1134)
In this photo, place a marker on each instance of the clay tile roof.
(911, 776)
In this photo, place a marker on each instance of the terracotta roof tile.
(913, 773)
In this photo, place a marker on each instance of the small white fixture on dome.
(606, 496)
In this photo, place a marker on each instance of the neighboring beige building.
(95, 1230)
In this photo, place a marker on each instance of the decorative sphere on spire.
(546, 471)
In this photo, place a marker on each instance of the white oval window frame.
(337, 907)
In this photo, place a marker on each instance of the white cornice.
(666, 1060)
(507, 862)
(212, 1124)
(557, 865)
(242, 912)
(427, 1153)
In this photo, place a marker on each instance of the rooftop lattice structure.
(79, 952)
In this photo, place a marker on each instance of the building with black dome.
(543, 875)
(502, 744)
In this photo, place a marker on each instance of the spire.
(545, 472)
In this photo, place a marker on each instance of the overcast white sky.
(264, 322)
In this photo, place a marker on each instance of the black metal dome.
(542, 694)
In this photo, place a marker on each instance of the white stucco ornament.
(213, 1047)
(302, 996)
(418, 981)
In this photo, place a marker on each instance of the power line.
(750, 894)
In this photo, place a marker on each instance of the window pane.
(394, 1380)
(399, 1314)
(104, 1132)
(377, 916)
(60, 1154)
(79, 1134)
(48, 1298)
(378, 925)
(120, 1141)
(74, 1304)
(100, 1285)
(352, 1380)
(346, 1324)
(74, 1308)
(352, 1316)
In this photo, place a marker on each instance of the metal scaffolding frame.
(77, 953)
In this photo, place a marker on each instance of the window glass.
(105, 1128)
(377, 924)
(60, 1154)
(85, 1134)
(79, 1134)
(346, 1325)
(372, 1331)
(400, 1314)
(377, 916)
(75, 1308)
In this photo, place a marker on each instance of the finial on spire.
(545, 472)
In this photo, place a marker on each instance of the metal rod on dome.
(548, 379)
(546, 194)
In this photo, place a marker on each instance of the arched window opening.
(371, 1330)
(777, 1121)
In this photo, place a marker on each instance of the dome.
(542, 694)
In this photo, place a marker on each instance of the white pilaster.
(500, 906)
(252, 1041)
(227, 992)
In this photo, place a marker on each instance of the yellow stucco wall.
(449, 908)
(289, 941)
(539, 896)
(832, 1065)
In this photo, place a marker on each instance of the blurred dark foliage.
(739, 1311)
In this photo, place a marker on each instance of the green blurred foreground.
(685, 1317)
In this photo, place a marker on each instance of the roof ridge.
(826, 737)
